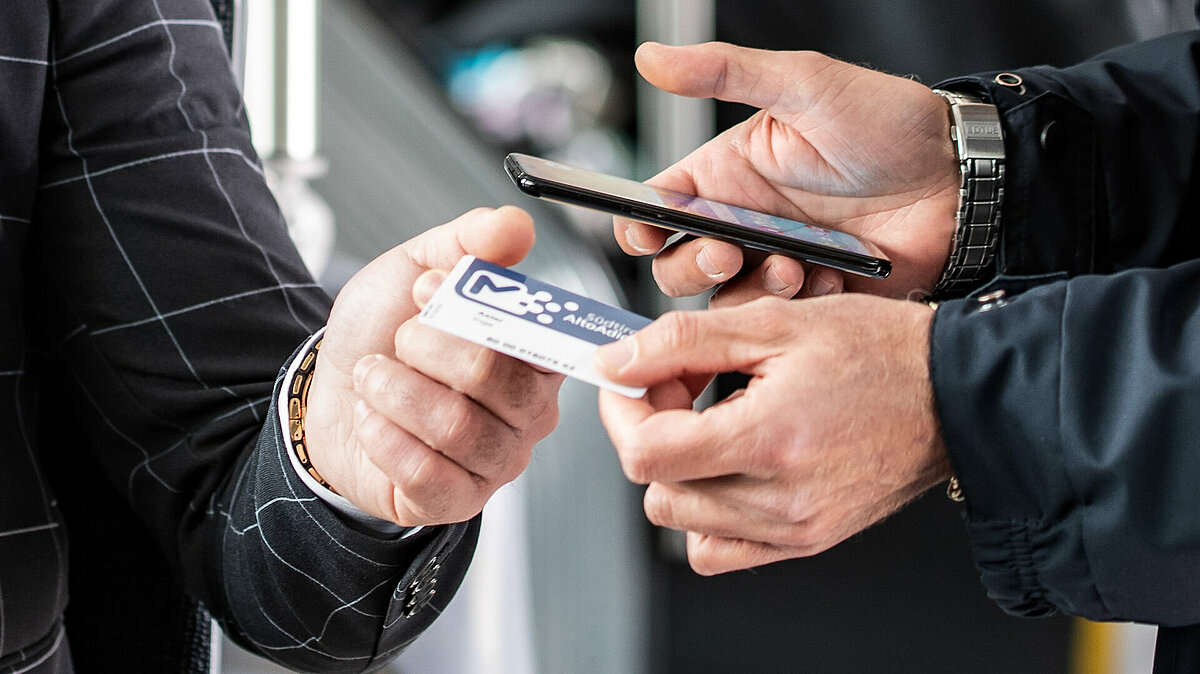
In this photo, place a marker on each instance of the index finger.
(681, 344)
(657, 444)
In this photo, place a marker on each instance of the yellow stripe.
(1093, 647)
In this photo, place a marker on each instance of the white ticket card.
(525, 318)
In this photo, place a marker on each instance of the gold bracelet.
(298, 408)
(953, 491)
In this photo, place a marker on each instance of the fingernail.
(612, 357)
(363, 366)
(426, 285)
(772, 283)
(706, 265)
(634, 238)
(361, 411)
(821, 286)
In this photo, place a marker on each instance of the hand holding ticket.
(530, 320)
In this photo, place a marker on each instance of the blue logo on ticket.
(527, 319)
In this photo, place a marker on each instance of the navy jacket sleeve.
(161, 275)
(1071, 406)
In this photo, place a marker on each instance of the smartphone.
(695, 215)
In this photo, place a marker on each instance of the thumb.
(756, 77)
(686, 345)
(503, 235)
(426, 285)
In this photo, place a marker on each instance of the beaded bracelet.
(298, 408)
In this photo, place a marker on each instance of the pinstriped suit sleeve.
(338, 584)
(160, 273)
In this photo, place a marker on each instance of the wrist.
(296, 389)
(297, 423)
(941, 470)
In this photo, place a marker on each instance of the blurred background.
(378, 119)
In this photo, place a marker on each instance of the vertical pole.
(669, 127)
(281, 94)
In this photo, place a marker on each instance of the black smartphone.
(695, 215)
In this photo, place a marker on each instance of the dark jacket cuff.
(996, 392)
(327, 597)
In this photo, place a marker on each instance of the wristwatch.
(979, 145)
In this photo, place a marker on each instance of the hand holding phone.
(695, 215)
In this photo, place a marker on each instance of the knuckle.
(636, 464)
(823, 534)
(794, 466)
(478, 211)
(722, 76)
(813, 57)
(798, 537)
(677, 329)
(768, 312)
(544, 419)
(676, 279)
(784, 509)
(377, 435)
(482, 370)
(517, 462)
(423, 490)
(404, 337)
(487, 447)
(805, 536)
(438, 493)
(701, 564)
(446, 506)
(534, 419)
(816, 61)
(502, 462)
(519, 385)
(672, 289)
(421, 475)
(796, 509)
(381, 386)
(777, 459)
(659, 507)
(703, 557)
(372, 382)
(459, 425)
(786, 456)
(494, 453)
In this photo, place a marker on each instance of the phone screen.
(735, 215)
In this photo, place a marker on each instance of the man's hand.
(411, 424)
(835, 430)
(833, 144)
